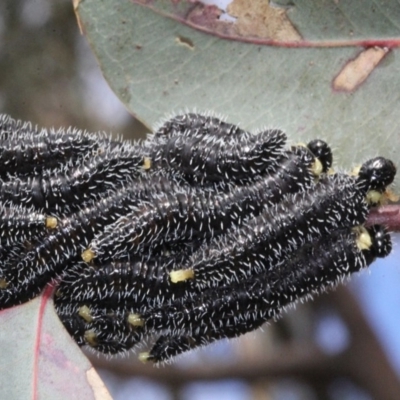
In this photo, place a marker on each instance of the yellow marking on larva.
(135, 320)
(84, 312)
(144, 357)
(88, 255)
(181, 275)
(364, 241)
(91, 338)
(317, 168)
(51, 222)
(355, 171)
(3, 283)
(146, 163)
(374, 197)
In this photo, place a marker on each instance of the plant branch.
(386, 215)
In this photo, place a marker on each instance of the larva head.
(376, 174)
(323, 152)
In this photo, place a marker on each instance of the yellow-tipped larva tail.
(144, 357)
(146, 163)
(91, 338)
(374, 197)
(355, 171)
(181, 275)
(377, 198)
(51, 222)
(88, 255)
(135, 320)
(364, 241)
(84, 312)
(317, 168)
(3, 283)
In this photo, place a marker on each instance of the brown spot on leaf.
(207, 16)
(356, 71)
(184, 41)
(257, 18)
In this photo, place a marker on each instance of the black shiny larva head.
(377, 173)
(322, 151)
(381, 241)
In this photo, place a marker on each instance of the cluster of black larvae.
(203, 231)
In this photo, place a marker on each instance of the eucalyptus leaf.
(39, 358)
(160, 59)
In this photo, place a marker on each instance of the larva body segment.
(337, 201)
(66, 190)
(75, 326)
(26, 150)
(232, 311)
(314, 269)
(26, 277)
(18, 224)
(112, 335)
(263, 241)
(167, 346)
(195, 124)
(33, 154)
(208, 158)
(218, 229)
(198, 215)
(106, 333)
(137, 284)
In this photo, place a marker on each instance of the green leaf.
(161, 57)
(39, 358)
